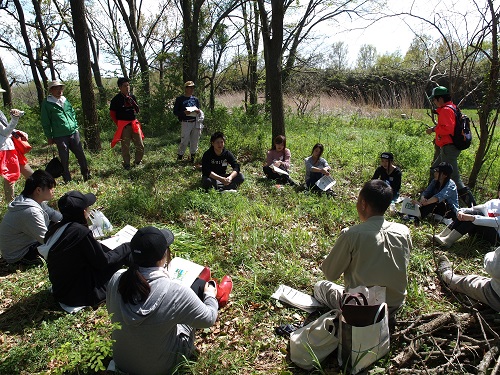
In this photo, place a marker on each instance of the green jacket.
(58, 121)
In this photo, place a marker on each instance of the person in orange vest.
(123, 110)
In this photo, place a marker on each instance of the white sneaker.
(229, 191)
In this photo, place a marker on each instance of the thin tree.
(4, 84)
(90, 125)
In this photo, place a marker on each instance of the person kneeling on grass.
(482, 220)
(373, 253)
(480, 288)
(25, 223)
(214, 165)
(79, 266)
(157, 316)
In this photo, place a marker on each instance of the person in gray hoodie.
(157, 316)
(26, 221)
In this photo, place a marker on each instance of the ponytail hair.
(133, 287)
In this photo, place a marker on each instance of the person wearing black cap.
(157, 316)
(444, 130)
(123, 110)
(79, 266)
(188, 110)
(440, 197)
(389, 173)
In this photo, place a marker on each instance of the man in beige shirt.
(374, 252)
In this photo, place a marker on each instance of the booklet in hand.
(183, 271)
(124, 235)
(278, 169)
(326, 182)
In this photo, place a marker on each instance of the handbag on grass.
(54, 167)
(21, 143)
(364, 332)
(312, 343)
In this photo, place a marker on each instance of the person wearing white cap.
(12, 163)
(60, 127)
(187, 109)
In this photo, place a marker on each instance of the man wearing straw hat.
(60, 127)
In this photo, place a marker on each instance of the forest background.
(263, 236)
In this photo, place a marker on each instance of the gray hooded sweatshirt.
(155, 333)
(24, 224)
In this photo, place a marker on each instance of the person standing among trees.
(123, 110)
(60, 127)
(187, 109)
(444, 130)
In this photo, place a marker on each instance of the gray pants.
(190, 134)
(474, 286)
(64, 145)
(449, 153)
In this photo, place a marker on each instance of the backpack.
(462, 135)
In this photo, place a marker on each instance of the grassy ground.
(263, 236)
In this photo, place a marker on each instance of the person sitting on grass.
(389, 173)
(278, 157)
(375, 252)
(440, 197)
(158, 317)
(482, 221)
(79, 266)
(480, 288)
(25, 223)
(316, 167)
(214, 166)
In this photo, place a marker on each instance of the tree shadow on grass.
(30, 312)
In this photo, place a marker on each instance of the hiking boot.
(223, 290)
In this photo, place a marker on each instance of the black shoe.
(126, 167)
(179, 157)
(192, 158)
(86, 177)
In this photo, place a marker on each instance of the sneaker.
(192, 158)
(229, 191)
(126, 167)
(137, 165)
(179, 157)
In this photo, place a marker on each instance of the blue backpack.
(462, 135)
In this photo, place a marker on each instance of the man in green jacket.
(60, 127)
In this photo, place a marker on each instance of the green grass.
(262, 236)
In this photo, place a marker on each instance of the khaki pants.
(8, 187)
(128, 135)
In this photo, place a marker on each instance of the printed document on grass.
(295, 298)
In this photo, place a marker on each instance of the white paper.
(192, 111)
(183, 271)
(410, 208)
(296, 298)
(278, 169)
(326, 182)
(124, 235)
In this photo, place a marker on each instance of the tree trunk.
(45, 44)
(29, 51)
(97, 71)
(191, 10)
(489, 104)
(90, 125)
(4, 84)
(272, 36)
(251, 33)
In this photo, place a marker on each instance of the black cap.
(445, 168)
(149, 245)
(74, 201)
(387, 155)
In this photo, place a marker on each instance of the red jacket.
(446, 124)
(136, 128)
